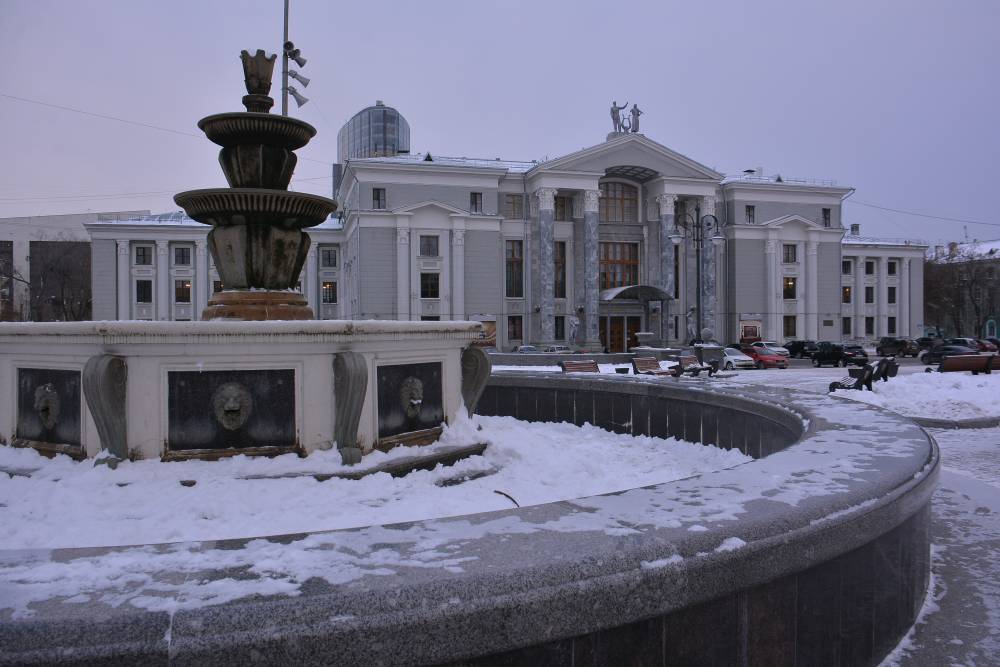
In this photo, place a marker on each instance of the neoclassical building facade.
(583, 250)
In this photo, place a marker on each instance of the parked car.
(854, 354)
(897, 347)
(733, 358)
(558, 349)
(827, 353)
(973, 343)
(764, 357)
(801, 349)
(772, 346)
(994, 340)
(927, 342)
(936, 354)
(525, 349)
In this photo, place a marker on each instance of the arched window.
(619, 202)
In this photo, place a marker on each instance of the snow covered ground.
(64, 503)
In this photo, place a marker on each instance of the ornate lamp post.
(706, 289)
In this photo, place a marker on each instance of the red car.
(764, 358)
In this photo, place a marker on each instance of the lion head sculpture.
(47, 405)
(411, 396)
(232, 405)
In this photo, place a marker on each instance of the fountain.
(258, 375)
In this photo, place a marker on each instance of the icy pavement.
(65, 504)
(965, 532)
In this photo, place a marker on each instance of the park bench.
(887, 369)
(649, 366)
(582, 366)
(689, 365)
(974, 363)
(860, 378)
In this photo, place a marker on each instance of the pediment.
(431, 203)
(787, 219)
(631, 150)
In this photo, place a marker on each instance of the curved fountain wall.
(815, 552)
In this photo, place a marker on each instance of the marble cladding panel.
(231, 409)
(48, 406)
(409, 398)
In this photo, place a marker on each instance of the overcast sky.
(898, 99)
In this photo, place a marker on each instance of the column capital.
(770, 246)
(666, 202)
(458, 237)
(402, 235)
(812, 247)
(123, 245)
(162, 246)
(200, 245)
(546, 198)
(708, 205)
(591, 200)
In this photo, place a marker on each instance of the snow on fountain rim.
(68, 504)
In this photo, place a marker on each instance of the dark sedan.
(801, 349)
(936, 354)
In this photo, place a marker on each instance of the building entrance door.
(632, 325)
(616, 342)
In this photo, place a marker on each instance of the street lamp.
(708, 223)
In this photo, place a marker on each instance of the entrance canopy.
(635, 293)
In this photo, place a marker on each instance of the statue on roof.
(616, 116)
(635, 112)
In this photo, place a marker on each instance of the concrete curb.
(980, 422)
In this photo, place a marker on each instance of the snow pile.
(64, 503)
(935, 395)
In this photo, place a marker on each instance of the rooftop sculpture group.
(623, 125)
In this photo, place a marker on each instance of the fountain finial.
(257, 70)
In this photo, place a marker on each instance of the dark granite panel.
(546, 405)
(639, 644)
(857, 594)
(487, 404)
(621, 413)
(603, 412)
(771, 623)
(738, 430)
(921, 554)
(751, 436)
(566, 405)
(817, 635)
(233, 408)
(584, 408)
(506, 401)
(527, 404)
(551, 654)
(724, 429)
(48, 405)
(659, 417)
(891, 617)
(692, 421)
(675, 416)
(706, 634)
(640, 415)
(409, 398)
(709, 424)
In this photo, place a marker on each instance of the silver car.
(773, 347)
(733, 358)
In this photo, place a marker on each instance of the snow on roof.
(778, 179)
(980, 247)
(516, 166)
(851, 239)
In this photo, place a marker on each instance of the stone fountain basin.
(223, 207)
(236, 128)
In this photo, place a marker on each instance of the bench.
(860, 378)
(976, 364)
(688, 364)
(649, 366)
(583, 366)
(888, 368)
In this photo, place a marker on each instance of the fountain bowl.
(223, 207)
(242, 127)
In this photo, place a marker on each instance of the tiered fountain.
(257, 240)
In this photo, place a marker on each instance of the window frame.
(429, 237)
(619, 203)
(559, 327)
(869, 326)
(846, 264)
(427, 286)
(890, 325)
(184, 284)
(869, 294)
(328, 251)
(616, 266)
(184, 250)
(890, 267)
(750, 212)
(789, 285)
(559, 274)
(476, 203)
(514, 268)
(563, 208)
(513, 206)
(515, 324)
(890, 294)
(846, 294)
(845, 325)
(789, 250)
(869, 264)
(144, 281)
(827, 217)
(148, 255)
(378, 199)
(793, 320)
(325, 288)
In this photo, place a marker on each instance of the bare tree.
(60, 281)
(961, 289)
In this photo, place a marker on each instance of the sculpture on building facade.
(616, 116)
(635, 113)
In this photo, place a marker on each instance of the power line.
(923, 215)
(149, 126)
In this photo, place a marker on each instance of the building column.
(458, 274)
(124, 280)
(708, 264)
(310, 284)
(882, 297)
(903, 299)
(772, 305)
(668, 204)
(163, 280)
(591, 269)
(859, 299)
(546, 262)
(402, 273)
(812, 291)
(202, 281)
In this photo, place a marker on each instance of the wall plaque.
(48, 406)
(409, 399)
(230, 409)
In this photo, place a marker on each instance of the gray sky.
(898, 99)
